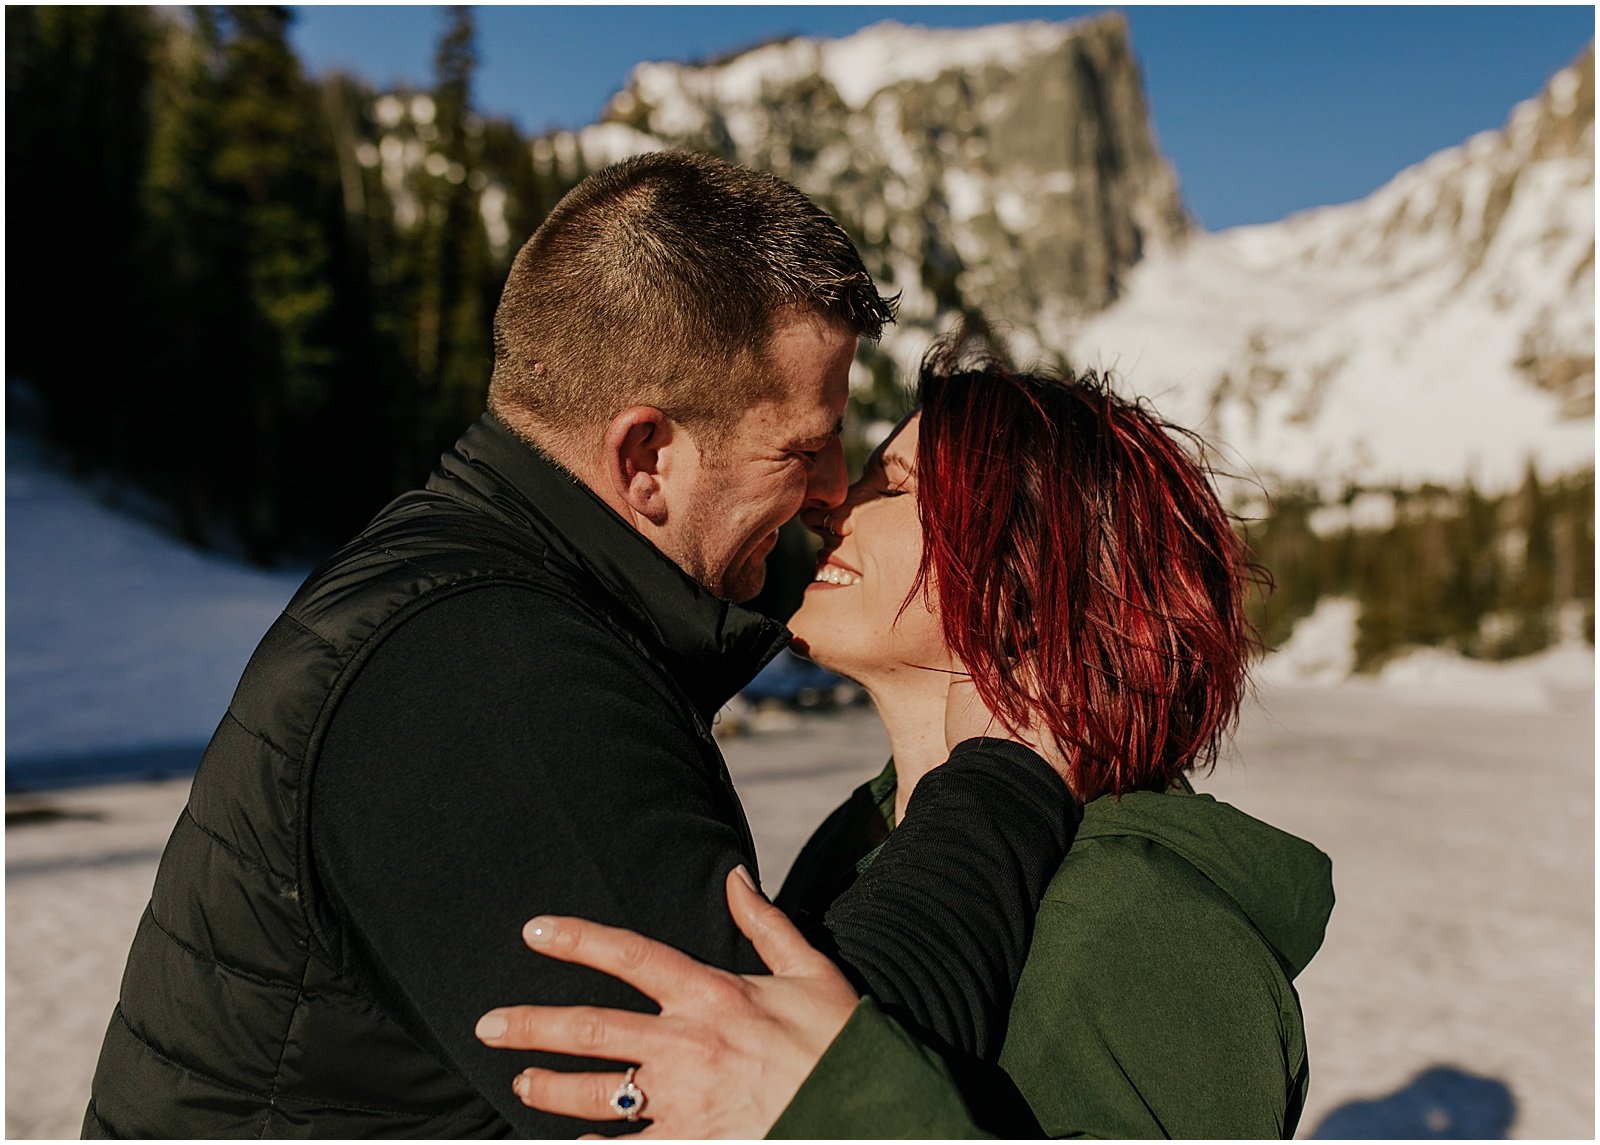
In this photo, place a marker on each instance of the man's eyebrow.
(820, 439)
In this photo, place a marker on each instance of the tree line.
(1490, 576)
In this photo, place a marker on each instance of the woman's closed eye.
(896, 480)
(875, 482)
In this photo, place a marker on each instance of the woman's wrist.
(875, 1074)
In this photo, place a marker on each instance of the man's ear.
(633, 460)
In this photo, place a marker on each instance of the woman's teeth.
(828, 574)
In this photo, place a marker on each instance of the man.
(495, 702)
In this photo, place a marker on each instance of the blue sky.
(1263, 110)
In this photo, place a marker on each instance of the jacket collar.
(711, 646)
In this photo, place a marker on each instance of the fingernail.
(491, 1025)
(520, 1084)
(744, 877)
(539, 931)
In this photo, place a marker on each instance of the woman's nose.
(832, 522)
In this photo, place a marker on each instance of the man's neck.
(562, 451)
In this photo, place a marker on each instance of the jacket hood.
(1282, 884)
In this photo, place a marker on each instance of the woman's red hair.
(1087, 574)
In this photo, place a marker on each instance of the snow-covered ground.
(120, 642)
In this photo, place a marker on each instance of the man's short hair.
(657, 281)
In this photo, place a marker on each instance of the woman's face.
(851, 619)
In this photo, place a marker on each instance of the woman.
(1055, 545)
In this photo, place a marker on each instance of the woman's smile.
(873, 544)
(833, 573)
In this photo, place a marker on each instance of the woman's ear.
(632, 459)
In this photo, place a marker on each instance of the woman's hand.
(725, 1055)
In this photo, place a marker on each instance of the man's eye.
(806, 455)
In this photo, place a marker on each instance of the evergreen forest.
(221, 292)
(263, 299)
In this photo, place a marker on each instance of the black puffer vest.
(240, 1013)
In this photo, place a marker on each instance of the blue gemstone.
(625, 1101)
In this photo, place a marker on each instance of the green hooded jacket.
(1157, 997)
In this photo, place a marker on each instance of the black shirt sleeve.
(938, 926)
(500, 756)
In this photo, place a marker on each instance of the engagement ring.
(628, 1099)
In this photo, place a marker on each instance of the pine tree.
(269, 169)
(459, 297)
(1533, 592)
(360, 429)
(198, 297)
(528, 195)
(1474, 572)
(1285, 543)
(77, 130)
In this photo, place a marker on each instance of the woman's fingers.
(723, 1057)
(582, 1031)
(582, 1095)
(653, 968)
(782, 947)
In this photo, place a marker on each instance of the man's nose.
(829, 482)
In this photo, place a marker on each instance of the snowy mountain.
(1008, 168)
(1441, 326)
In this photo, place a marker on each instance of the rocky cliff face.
(1008, 169)
(1441, 327)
